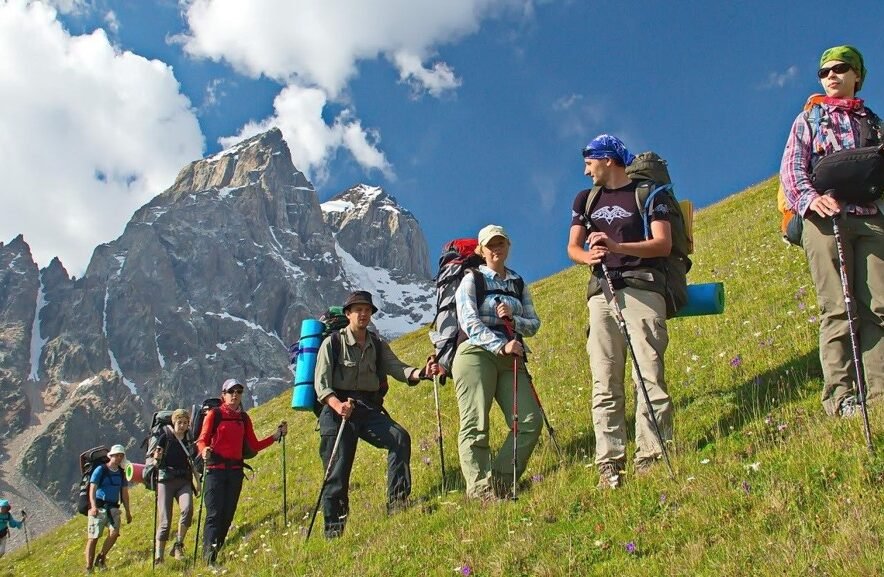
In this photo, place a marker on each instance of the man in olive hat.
(837, 122)
(351, 369)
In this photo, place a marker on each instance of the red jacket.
(227, 442)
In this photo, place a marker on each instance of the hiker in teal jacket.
(6, 521)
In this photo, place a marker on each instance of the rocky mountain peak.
(209, 280)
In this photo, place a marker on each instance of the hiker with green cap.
(6, 521)
(840, 121)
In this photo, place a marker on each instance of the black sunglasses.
(234, 391)
(839, 68)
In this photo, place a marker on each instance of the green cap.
(847, 54)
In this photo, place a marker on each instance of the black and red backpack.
(458, 258)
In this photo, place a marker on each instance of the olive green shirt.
(356, 370)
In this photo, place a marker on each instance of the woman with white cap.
(489, 366)
(107, 489)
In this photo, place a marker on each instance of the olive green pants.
(645, 314)
(863, 242)
(480, 378)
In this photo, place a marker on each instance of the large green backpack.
(652, 176)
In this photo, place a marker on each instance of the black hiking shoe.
(100, 562)
(610, 475)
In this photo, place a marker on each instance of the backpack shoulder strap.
(594, 193)
(815, 118)
(336, 344)
(645, 192)
(481, 286)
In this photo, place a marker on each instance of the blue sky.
(467, 111)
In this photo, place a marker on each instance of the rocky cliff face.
(210, 280)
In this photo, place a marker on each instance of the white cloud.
(780, 79)
(68, 6)
(314, 48)
(312, 142)
(435, 80)
(113, 23)
(89, 134)
(320, 42)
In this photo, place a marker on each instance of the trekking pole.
(285, 504)
(199, 517)
(515, 424)
(156, 500)
(24, 525)
(641, 381)
(854, 342)
(508, 324)
(328, 468)
(439, 429)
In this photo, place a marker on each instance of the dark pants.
(377, 428)
(220, 495)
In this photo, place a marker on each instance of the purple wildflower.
(536, 478)
(662, 498)
(466, 570)
(736, 361)
(630, 548)
(746, 488)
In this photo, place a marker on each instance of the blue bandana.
(607, 146)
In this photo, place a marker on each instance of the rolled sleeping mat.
(703, 299)
(134, 472)
(303, 393)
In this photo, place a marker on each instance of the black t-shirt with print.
(616, 214)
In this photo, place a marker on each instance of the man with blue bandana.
(607, 227)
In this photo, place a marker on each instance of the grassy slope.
(765, 484)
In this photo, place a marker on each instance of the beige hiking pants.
(863, 241)
(645, 314)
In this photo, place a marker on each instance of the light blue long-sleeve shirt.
(480, 323)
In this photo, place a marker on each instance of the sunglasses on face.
(234, 392)
(840, 68)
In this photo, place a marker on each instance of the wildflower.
(465, 570)
(630, 548)
(753, 467)
(426, 460)
(704, 462)
(536, 478)
(781, 427)
(736, 361)
(662, 498)
(745, 486)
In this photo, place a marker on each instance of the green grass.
(765, 484)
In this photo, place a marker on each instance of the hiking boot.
(644, 465)
(610, 475)
(334, 530)
(100, 562)
(177, 550)
(397, 506)
(849, 408)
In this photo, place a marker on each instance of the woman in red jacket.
(221, 442)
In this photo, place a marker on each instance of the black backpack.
(198, 415)
(457, 259)
(89, 460)
(162, 427)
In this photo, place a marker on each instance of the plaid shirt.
(838, 130)
(481, 324)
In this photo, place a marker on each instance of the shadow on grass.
(760, 394)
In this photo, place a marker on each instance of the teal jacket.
(6, 520)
